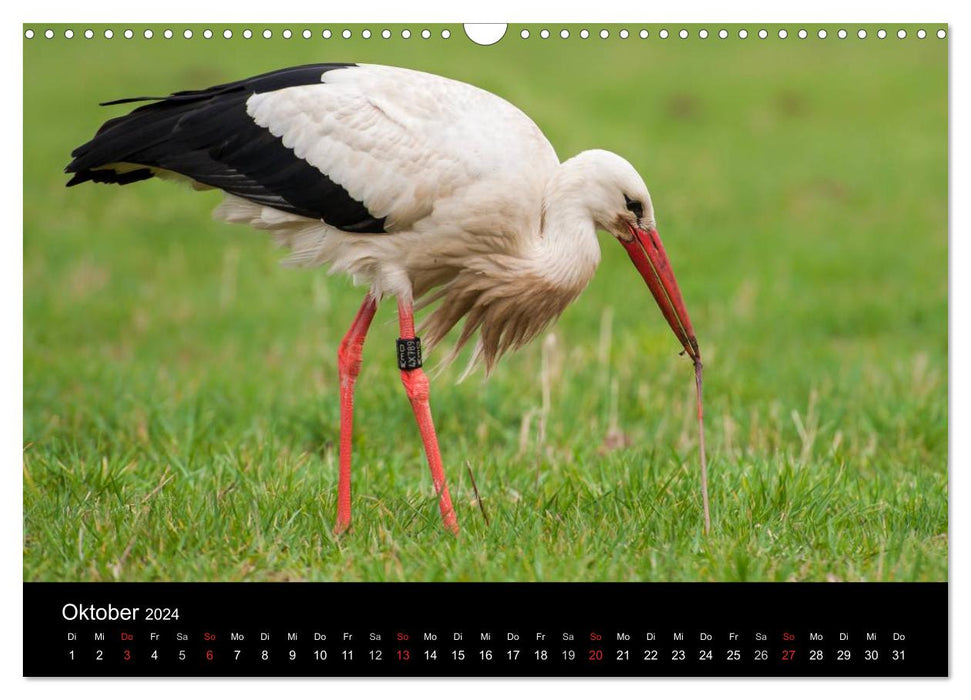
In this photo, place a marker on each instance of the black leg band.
(409, 353)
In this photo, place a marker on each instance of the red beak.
(647, 254)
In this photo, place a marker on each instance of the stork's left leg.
(417, 388)
(348, 366)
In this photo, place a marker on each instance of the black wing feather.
(207, 135)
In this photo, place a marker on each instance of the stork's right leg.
(348, 366)
(417, 388)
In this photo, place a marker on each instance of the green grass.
(180, 410)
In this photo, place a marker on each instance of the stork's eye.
(635, 207)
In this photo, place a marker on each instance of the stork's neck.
(568, 246)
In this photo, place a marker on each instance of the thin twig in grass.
(701, 445)
(475, 489)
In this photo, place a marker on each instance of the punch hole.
(841, 33)
(29, 34)
(267, 34)
(703, 33)
(109, 33)
(187, 34)
(663, 33)
(129, 33)
(901, 33)
(722, 33)
(88, 34)
(882, 34)
(544, 34)
(68, 33)
(425, 34)
(604, 33)
(821, 33)
(941, 34)
(584, 34)
(346, 33)
(742, 33)
(783, 33)
(247, 34)
(49, 34)
(803, 33)
(366, 34)
(683, 34)
(385, 33)
(446, 33)
(921, 34)
(207, 34)
(624, 33)
(287, 34)
(405, 33)
(227, 34)
(326, 34)
(861, 33)
(644, 34)
(524, 34)
(763, 34)
(564, 34)
(306, 33)
(488, 34)
(148, 34)
(167, 34)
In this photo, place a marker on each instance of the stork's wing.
(365, 148)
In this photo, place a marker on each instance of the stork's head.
(621, 205)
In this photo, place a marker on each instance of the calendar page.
(485, 350)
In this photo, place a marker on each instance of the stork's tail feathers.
(129, 148)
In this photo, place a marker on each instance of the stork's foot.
(341, 526)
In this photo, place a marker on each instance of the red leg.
(348, 366)
(417, 388)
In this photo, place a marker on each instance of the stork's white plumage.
(423, 188)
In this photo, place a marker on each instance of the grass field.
(180, 390)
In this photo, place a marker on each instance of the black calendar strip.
(492, 629)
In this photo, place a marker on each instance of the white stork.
(424, 188)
